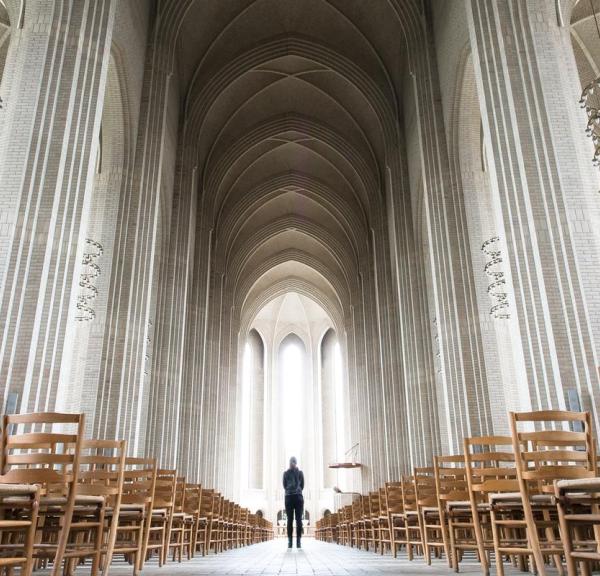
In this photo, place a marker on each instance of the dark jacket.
(293, 482)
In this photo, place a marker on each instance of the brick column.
(540, 164)
(48, 138)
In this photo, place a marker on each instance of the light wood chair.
(101, 476)
(345, 525)
(579, 515)
(180, 522)
(134, 519)
(216, 524)
(372, 522)
(549, 446)
(494, 497)
(412, 517)
(385, 536)
(19, 504)
(433, 533)
(364, 523)
(355, 526)
(396, 518)
(43, 449)
(161, 519)
(207, 503)
(454, 507)
(192, 508)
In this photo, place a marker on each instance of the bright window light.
(247, 378)
(292, 375)
(338, 367)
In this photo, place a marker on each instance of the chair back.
(164, 490)
(357, 509)
(44, 449)
(450, 479)
(207, 502)
(374, 504)
(409, 494)
(193, 499)
(179, 500)
(393, 492)
(490, 467)
(139, 483)
(425, 491)
(552, 445)
(102, 471)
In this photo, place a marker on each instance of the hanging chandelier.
(593, 113)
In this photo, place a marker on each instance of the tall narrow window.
(253, 412)
(292, 359)
(332, 406)
(338, 366)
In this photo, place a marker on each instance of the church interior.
(364, 234)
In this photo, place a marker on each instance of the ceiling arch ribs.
(298, 125)
(229, 227)
(296, 226)
(285, 286)
(341, 290)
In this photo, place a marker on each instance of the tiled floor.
(315, 558)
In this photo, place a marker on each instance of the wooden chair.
(432, 530)
(412, 517)
(192, 508)
(178, 532)
(456, 524)
(396, 518)
(243, 527)
(494, 497)
(372, 522)
(355, 525)
(549, 446)
(364, 523)
(35, 453)
(385, 536)
(345, 523)
(101, 476)
(579, 515)
(252, 526)
(134, 517)
(161, 519)
(207, 501)
(19, 504)
(216, 524)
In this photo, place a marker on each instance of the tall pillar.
(49, 123)
(525, 74)
(461, 376)
(539, 163)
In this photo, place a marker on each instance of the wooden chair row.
(531, 499)
(66, 501)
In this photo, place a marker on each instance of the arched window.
(292, 363)
(253, 411)
(332, 405)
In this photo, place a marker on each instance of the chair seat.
(579, 484)
(17, 489)
(516, 497)
(82, 499)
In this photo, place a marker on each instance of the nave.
(355, 232)
(313, 559)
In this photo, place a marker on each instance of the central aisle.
(315, 558)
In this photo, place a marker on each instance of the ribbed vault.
(290, 123)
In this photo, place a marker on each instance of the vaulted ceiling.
(290, 108)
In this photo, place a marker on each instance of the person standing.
(293, 484)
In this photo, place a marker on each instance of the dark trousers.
(294, 505)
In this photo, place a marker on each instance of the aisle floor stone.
(314, 559)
